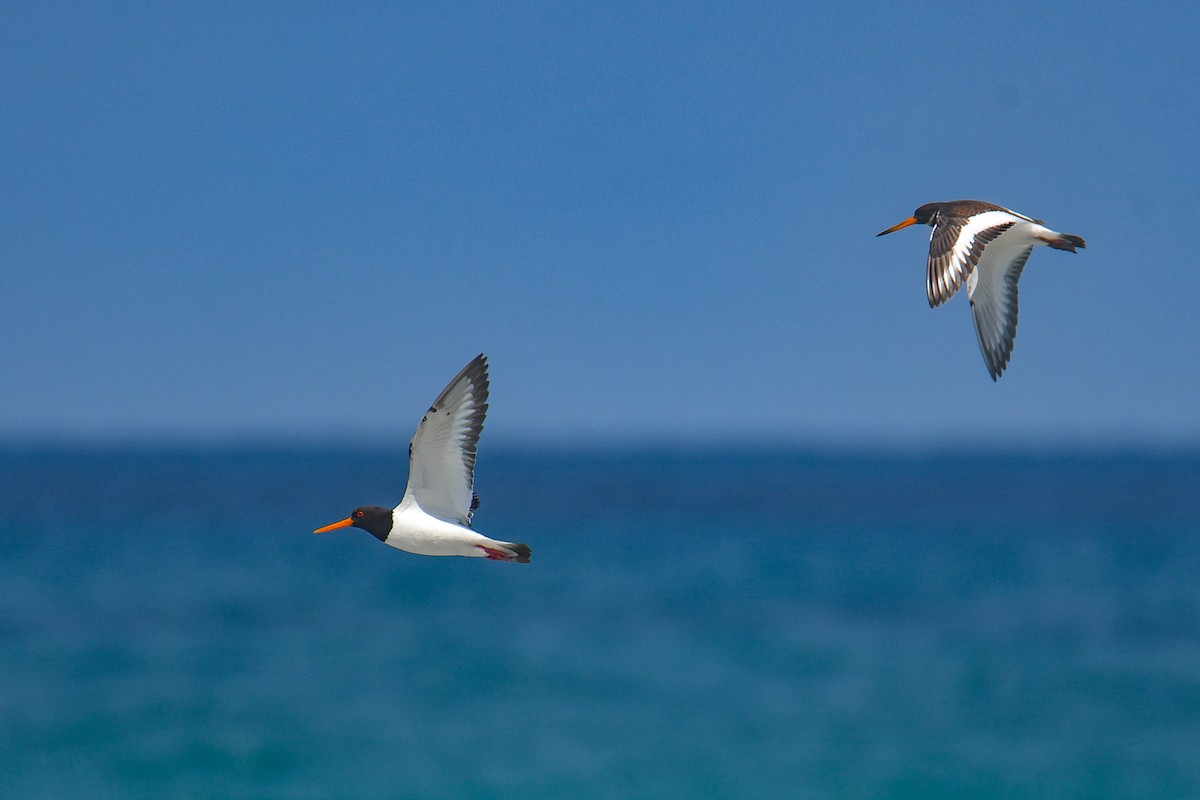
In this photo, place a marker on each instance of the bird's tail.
(1066, 241)
(507, 551)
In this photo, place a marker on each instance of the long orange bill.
(346, 523)
(894, 228)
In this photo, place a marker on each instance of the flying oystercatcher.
(434, 518)
(988, 246)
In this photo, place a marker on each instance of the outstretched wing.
(441, 458)
(956, 247)
(993, 292)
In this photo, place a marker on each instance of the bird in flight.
(434, 518)
(986, 245)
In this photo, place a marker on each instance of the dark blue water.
(741, 625)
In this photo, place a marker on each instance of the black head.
(925, 215)
(928, 213)
(372, 519)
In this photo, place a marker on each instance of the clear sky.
(658, 219)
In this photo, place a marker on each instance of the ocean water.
(695, 625)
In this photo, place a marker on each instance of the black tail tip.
(523, 554)
(1068, 241)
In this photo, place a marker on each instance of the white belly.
(415, 531)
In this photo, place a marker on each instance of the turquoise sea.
(696, 624)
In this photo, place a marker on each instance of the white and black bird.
(434, 518)
(986, 245)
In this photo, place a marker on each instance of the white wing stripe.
(973, 227)
(951, 245)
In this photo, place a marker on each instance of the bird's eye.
(358, 514)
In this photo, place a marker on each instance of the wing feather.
(993, 292)
(956, 246)
(441, 463)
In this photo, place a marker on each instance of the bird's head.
(372, 519)
(925, 215)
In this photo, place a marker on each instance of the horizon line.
(1028, 444)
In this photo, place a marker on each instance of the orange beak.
(346, 523)
(894, 228)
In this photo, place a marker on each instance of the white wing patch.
(956, 246)
(441, 468)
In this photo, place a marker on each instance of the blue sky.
(300, 220)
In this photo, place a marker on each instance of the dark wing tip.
(477, 371)
(996, 359)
